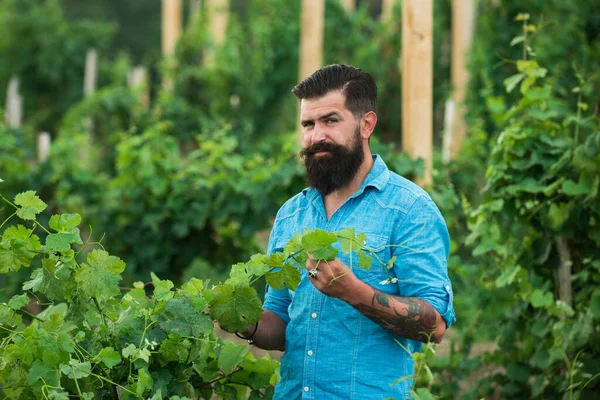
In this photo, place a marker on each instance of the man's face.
(333, 151)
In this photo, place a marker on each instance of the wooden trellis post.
(463, 19)
(218, 19)
(171, 30)
(349, 5)
(195, 6)
(89, 87)
(43, 146)
(417, 82)
(14, 103)
(311, 41)
(138, 81)
(387, 6)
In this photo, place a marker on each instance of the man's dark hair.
(359, 87)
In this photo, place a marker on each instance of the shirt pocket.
(377, 273)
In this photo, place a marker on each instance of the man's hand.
(408, 317)
(332, 278)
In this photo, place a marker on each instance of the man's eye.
(332, 121)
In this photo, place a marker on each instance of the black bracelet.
(249, 339)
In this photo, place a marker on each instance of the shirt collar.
(377, 177)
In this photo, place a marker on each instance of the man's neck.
(335, 199)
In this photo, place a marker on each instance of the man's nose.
(318, 135)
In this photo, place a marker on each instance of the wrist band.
(249, 339)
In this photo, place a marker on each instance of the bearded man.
(348, 333)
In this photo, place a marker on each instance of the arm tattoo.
(408, 317)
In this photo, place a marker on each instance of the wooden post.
(218, 19)
(138, 81)
(171, 25)
(417, 82)
(89, 87)
(349, 5)
(195, 6)
(14, 103)
(463, 20)
(43, 146)
(171, 30)
(565, 285)
(91, 72)
(387, 7)
(311, 42)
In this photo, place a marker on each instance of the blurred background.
(171, 128)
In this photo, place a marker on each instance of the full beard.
(329, 172)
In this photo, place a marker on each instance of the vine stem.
(99, 310)
(113, 383)
(31, 315)
(76, 383)
(9, 217)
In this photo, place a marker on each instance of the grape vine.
(76, 332)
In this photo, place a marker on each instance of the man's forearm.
(270, 333)
(409, 317)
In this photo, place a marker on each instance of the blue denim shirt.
(332, 350)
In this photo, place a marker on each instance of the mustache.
(319, 147)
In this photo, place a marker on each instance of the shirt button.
(314, 315)
(306, 389)
(310, 352)
(448, 287)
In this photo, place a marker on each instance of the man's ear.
(367, 124)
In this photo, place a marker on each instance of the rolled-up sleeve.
(422, 250)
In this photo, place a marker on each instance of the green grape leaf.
(513, 81)
(109, 357)
(18, 248)
(193, 290)
(62, 241)
(231, 356)
(239, 274)
(294, 245)
(261, 370)
(175, 349)
(9, 317)
(257, 265)
(129, 351)
(235, 307)
(570, 188)
(508, 276)
(328, 253)
(76, 369)
(64, 222)
(315, 240)
(558, 214)
(180, 317)
(288, 276)
(44, 280)
(40, 371)
(275, 260)
(541, 299)
(194, 286)
(350, 241)
(30, 205)
(144, 382)
(364, 261)
(54, 395)
(99, 276)
(162, 288)
(18, 301)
